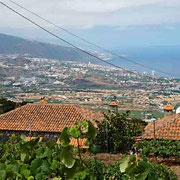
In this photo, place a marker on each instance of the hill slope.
(15, 45)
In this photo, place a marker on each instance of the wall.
(47, 136)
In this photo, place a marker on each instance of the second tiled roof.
(165, 128)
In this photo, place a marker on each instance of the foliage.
(131, 168)
(163, 148)
(8, 105)
(34, 160)
(20, 159)
(116, 132)
(128, 168)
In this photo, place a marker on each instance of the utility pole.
(1, 110)
(107, 146)
(30, 129)
(154, 124)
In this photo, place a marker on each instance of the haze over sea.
(164, 58)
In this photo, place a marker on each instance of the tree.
(8, 105)
(116, 132)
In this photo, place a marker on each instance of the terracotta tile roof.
(168, 107)
(136, 138)
(75, 143)
(81, 143)
(28, 138)
(165, 128)
(113, 104)
(46, 117)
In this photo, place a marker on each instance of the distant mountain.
(164, 58)
(15, 45)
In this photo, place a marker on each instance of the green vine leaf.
(54, 165)
(75, 132)
(35, 166)
(66, 157)
(23, 137)
(24, 157)
(24, 171)
(2, 174)
(64, 137)
(30, 178)
(45, 168)
(124, 163)
(92, 131)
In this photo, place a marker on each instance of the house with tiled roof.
(43, 119)
(168, 107)
(167, 127)
(168, 110)
(114, 106)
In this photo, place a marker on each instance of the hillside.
(15, 45)
(164, 58)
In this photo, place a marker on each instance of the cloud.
(104, 6)
(85, 14)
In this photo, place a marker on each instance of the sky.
(109, 23)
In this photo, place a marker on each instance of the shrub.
(116, 132)
(163, 148)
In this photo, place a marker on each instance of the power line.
(93, 44)
(86, 52)
(58, 37)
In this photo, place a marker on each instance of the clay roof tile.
(46, 117)
(168, 107)
(113, 104)
(165, 128)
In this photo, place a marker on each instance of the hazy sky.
(110, 23)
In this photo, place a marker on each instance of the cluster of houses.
(48, 120)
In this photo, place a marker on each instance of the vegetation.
(116, 132)
(162, 148)
(136, 113)
(128, 168)
(8, 105)
(31, 160)
(20, 159)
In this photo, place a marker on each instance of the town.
(68, 82)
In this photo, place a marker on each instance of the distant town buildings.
(153, 73)
(25, 78)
